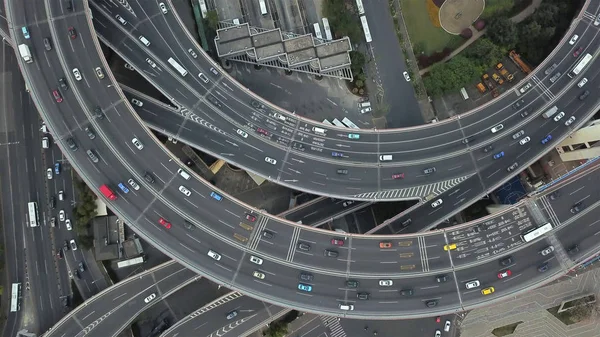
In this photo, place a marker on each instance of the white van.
(319, 130)
(45, 143)
(364, 105)
(183, 174)
(144, 40)
(385, 157)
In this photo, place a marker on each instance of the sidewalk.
(477, 34)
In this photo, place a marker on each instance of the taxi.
(488, 291)
(451, 246)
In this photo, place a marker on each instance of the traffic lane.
(586, 237)
(583, 189)
(316, 211)
(520, 272)
(281, 245)
(496, 236)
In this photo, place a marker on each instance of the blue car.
(57, 168)
(547, 139)
(305, 287)
(499, 155)
(216, 196)
(353, 136)
(123, 188)
(25, 32)
(337, 154)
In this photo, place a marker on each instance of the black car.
(47, 44)
(148, 177)
(188, 225)
(352, 284)
(90, 132)
(306, 277)
(72, 145)
(554, 195)
(518, 104)
(330, 253)
(53, 202)
(544, 267)
(431, 304)
(60, 253)
(488, 148)
(63, 83)
(406, 222)
(98, 113)
(81, 267)
(77, 275)
(342, 171)
(525, 112)
(506, 261)
(584, 95)
(441, 278)
(66, 246)
(362, 296)
(573, 250)
(577, 207)
(406, 292)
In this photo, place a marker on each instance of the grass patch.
(503, 8)
(424, 36)
(505, 330)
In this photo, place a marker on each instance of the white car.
(61, 195)
(68, 224)
(150, 62)
(406, 77)
(99, 72)
(61, 215)
(436, 203)
(270, 160)
(214, 255)
(214, 71)
(258, 275)
(256, 259)
(242, 133)
(137, 143)
(49, 173)
(547, 250)
(150, 298)
(185, 191)
(133, 184)
(472, 284)
(497, 128)
(559, 116)
(582, 82)
(137, 102)
(386, 283)
(162, 7)
(525, 140)
(77, 74)
(193, 53)
(438, 333)
(597, 21)
(73, 244)
(570, 121)
(573, 39)
(447, 326)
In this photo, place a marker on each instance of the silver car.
(547, 250)
(570, 121)
(386, 283)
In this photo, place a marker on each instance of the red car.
(165, 223)
(385, 245)
(262, 131)
(504, 274)
(57, 96)
(398, 176)
(72, 33)
(438, 319)
(578, 51)
(250, 217)
(337, 242)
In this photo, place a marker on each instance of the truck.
(500, 67)
(497, 78)
(519, 62)
(481, 87)
(487, 81)
(25, 53)
(550, 112)
(107, 192)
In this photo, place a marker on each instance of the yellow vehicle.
(451, 246)
(488, 291)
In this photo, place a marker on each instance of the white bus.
(536, 233)
(579, 67)
(177, 66)
(33, 214)
(15, 297)
(349, 123)
(360, 7)
(203, 9)
(328, 35)
(325, 121)
(365, 26)
(263, 7)
(318, 31)
(464, 94)
(131, 262)
(336, 122)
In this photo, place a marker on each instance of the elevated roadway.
(221, 226)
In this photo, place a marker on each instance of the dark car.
(330, 253)
(71, 144)
(488, 148)
(77, 274)
(407, 292)
(518, 104)
(47, 44)
(63, 83)
(81, 267)
(554, 195)
(577, 207)
(90, 132)
(66, 246)
(342, 171)
(506, 261)
(306, 277)
(577, 52)
(406, 222)
(60, 253)
(441, 278)
(525, 112)
(98, 113)
(188, 225)
(362, 296)
(544, 267)
(584, 95)
(65, 301)
(52, 202)
(72, 33)
(573, 250)
(352, 283)
(148, 177)
(467, 140)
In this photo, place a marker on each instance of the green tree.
(277, 329)
(503, 32)
(484, 52)
(212, 20)
(358, 62)
(343, 19)
(85, 241)
(451, 76)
